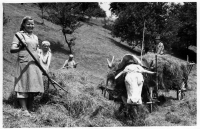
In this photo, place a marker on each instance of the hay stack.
(172, 70)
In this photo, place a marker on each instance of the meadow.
(84, 104)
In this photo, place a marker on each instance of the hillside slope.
(93, 44)
(84, 105)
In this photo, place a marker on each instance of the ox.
(126, 76)
(134, 82)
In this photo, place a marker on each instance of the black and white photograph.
(99, 64)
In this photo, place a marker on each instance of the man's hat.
(71, 55)
(158, 37)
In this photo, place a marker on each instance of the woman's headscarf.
(26, 18)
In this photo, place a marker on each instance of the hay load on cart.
(172, 73)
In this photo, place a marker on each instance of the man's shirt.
(160, 48)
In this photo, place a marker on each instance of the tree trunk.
(42, 16)
(70, 49)
(187, 48)
(143, 41)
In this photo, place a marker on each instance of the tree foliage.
(131, 17)
(180, 29)
(188, 30)
(67, 14)
(92, 9)
(176, 23)
(42, 7)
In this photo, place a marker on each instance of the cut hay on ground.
(171, 70)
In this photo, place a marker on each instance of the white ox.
(134, 82)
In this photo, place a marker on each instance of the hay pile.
(171, 70)
(83, 105)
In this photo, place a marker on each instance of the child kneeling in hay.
(70, 63)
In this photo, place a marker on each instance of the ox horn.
(110, 63)
(112, 60)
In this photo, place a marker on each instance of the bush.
(108, 27)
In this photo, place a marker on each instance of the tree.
(64, 14)
(176, 23)
(180, 30)
(42, 7)
(67, 14)
(98, 12)
(188, 31)
(131, 18)
(117, 7)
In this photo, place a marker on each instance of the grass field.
(84, 105)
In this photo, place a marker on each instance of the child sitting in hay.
(171, 72)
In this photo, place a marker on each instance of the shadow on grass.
(12, 100)
(108, 27)
(124, 47)
(183, 55)
(91, 24)
(56, 46)
(165, 101)
(39, 99)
